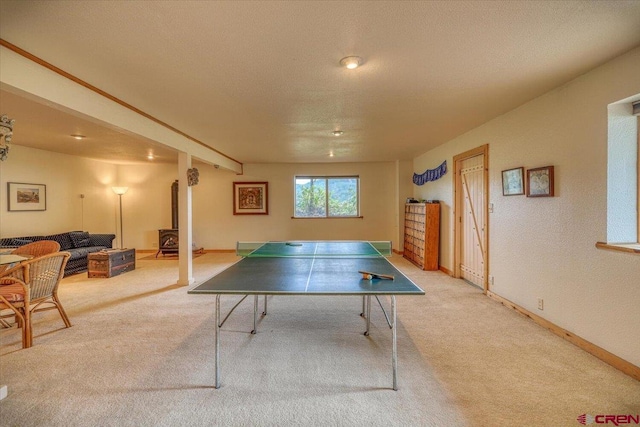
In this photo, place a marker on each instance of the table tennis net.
(317, 249)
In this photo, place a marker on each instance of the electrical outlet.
(491, 280)
(540, 304)
(490, 207)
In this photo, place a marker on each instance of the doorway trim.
(458, 195)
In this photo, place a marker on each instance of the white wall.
(545, 247)
(147, 204)
(213, 205)
(65, 177)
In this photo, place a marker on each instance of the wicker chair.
(14, 296)
(33, 250)
(42, 276)
(37, 249)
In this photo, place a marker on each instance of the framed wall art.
(250, 198)
(513, 182)
(540, 182)
(26, 197)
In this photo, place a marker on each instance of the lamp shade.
(120, 190)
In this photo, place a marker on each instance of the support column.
(185, 223)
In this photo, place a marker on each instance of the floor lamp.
(120, 191)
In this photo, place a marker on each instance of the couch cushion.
(62, 238)
(83, 252)
(80, 239)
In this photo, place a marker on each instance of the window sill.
(633, 248)
(327, 217)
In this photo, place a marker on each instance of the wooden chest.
(112, 262)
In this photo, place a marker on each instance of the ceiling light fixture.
(78, 137)
(351, 62)
(337, 132)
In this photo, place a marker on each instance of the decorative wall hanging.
(6, 132)
(430, 174)
(540, 182)
(27, 197)
(513, 182)
(250, 198)
(193, 177)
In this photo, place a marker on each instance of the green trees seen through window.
(326, 196)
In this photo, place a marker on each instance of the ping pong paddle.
(293, 244)
(367, 275)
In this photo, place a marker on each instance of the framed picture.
(26, 197)
(540, 182)
(250, 198)
(513, 182)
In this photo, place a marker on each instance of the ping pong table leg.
(368, 315)
(394, 339)
(265, 306)
(217, 342)
(255, 314)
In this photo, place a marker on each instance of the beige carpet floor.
(140, 353)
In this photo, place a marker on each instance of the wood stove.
(169, 238)
(168, 241)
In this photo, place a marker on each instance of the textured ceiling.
(261, 81)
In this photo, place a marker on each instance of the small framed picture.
(26, 197)
(513, 182)
(250, 198)
(540, 182)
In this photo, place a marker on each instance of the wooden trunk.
(422, 234)
(111, 262)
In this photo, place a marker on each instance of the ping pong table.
(311, 268)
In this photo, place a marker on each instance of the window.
(327, 197)
(623, 191)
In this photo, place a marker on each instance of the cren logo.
(585, 419)
(616, 420)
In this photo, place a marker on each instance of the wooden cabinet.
(422, 234)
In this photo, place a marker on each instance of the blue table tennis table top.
(310, 268)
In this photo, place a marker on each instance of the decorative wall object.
(513, 182)
(27, 197)
(250, 198)
(193, 177)
(430, 174)
(540, 182)
(6, 132)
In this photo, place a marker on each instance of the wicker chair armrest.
(10, 287)
(16, 272)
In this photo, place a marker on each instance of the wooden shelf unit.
(422, 234)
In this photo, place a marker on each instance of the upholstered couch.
(78, 243)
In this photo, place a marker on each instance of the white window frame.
(623, 177)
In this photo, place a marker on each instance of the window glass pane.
(343, 197)
(311, 197)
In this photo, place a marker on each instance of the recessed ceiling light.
(78, 136)
(150, 156)
(330, 153)
(337, 132)
(351, 62)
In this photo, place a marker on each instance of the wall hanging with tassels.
(430, 174)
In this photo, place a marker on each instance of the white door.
(473, 221)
